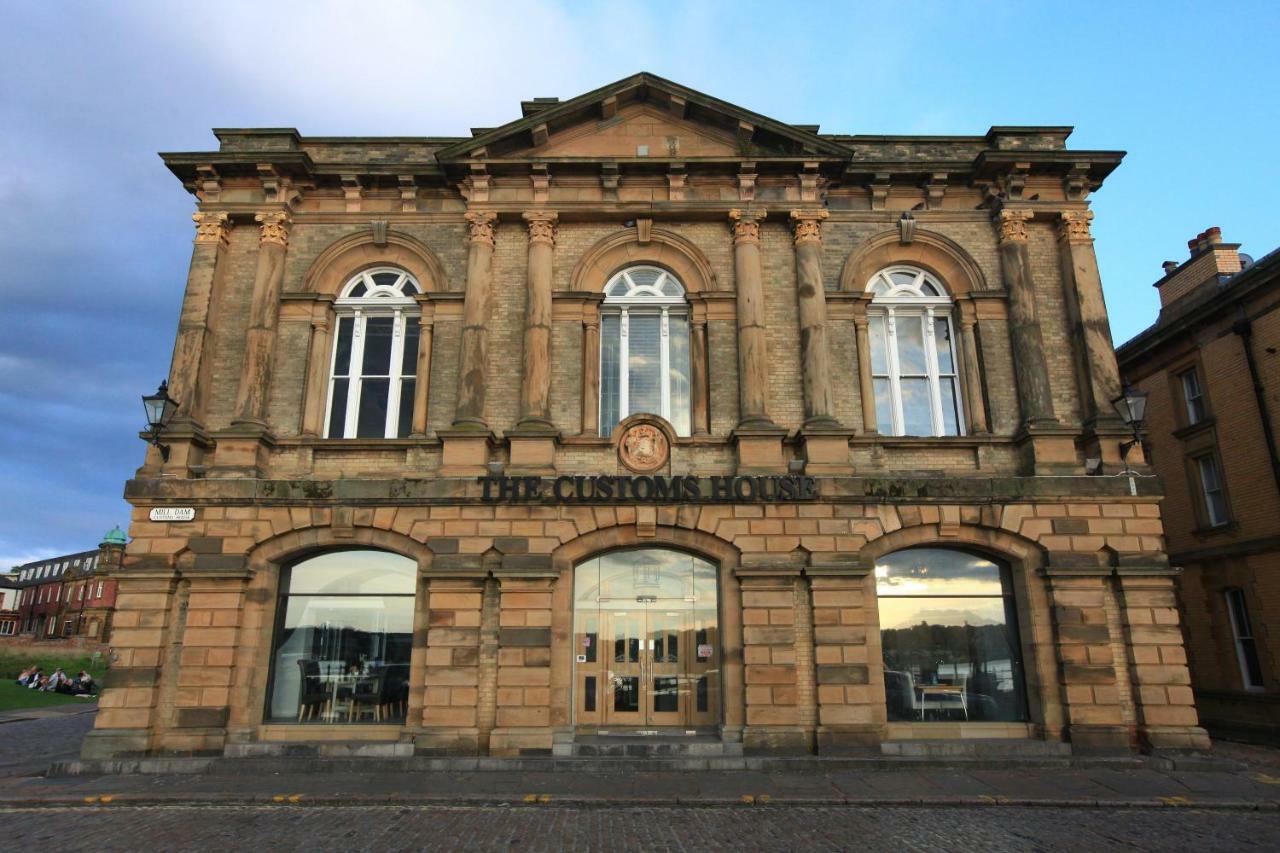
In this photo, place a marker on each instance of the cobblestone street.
(536, 829)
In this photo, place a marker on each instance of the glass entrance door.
(646, 645)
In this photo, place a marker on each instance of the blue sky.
(95, 234)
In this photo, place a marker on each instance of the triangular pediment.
(641, 116)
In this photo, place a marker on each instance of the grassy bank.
(13, 661)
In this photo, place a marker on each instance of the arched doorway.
(646, 644)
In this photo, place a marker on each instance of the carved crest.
(644, 448)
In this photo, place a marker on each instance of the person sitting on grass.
(56, 680)
(86, 684)
(27, 674)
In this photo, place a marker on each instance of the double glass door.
(646, 644)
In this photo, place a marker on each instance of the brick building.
(71, 595)
(8, 606)
(1210, 367)
(643, 413)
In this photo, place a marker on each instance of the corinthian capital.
(211, 227)
(746, 224)
(1012, 225)
(542, 226)
(807, 225)
(481, 225)
(275, 227)
(1074, 226)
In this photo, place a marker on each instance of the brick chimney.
(1210, 259)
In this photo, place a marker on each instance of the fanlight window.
(375, 355)
(913, 354)
(644, 348)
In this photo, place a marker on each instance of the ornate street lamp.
(1131, 406)
(160, 408)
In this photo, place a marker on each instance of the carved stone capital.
(1074, 226)
(745, 224)
(212, 227)
(807, 225)
(482, 224)
(1012, 224)
(542, 226)
(275, 227)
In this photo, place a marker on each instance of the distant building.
(1211, 365)
(70, 595)
(8, 606)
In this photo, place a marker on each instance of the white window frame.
(1193, 402)
(643, 300)
(1238, 616)
(6, 628)
(912, 301)
(1209, 461)
(99, 595)
(377, 301)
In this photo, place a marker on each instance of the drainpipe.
(1244, 329)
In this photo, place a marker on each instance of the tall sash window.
(644, 348)
(913, 354)
(375, 357)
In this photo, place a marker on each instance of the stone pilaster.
(317, 389)
(1098, 375)
(452, 680)
(851, 715)
(422, 370)
(533, 441)
(975, 405)
(591, 372)
(699, 410)
(1048, 447)
(769, 656)
(466, 445)
(866, 387)
(826, 442)
(1164, 704)
(759, 440)
(524, 666)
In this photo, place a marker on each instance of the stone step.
(976, 748)
(648, 747)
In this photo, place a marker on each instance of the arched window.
(644, 348)
(375, 355)
(949, 634)
(913, 354)
(344, 634)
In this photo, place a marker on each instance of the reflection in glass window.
(949, 632)
(375, 356)
(913, 354)
(344, 634)
(644, 349)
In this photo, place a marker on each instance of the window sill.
(929, 441)
(1195, 429)
(1204, 532)
(356, 443)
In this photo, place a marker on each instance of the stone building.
(70, 596)
(643, 413)
(1212, 373)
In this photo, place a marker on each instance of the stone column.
(422, 371)
(972, 375)
(591, 371)
(466, 444)
(317, 390)
(866, 387)
(524, 665)
(535, 389)
(769, 656)
(851, 712)
(189, 373)
(759, 440)
(268, 278)
(1099, 375)
(472, 378)
(753, 355)
(452, 678)
(699, 410)
(815, 355)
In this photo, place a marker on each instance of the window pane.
(879, 347)
(372, 419)
(342, 358)
(884, 407)
(942, 340)
(358, 290)
(950, 416)
(378, 333)
(910, 335)
(354, 572)
(644, 276)
(386, 279)
(610, 345)
(409, 360)
(644, 364)
(343, 659)
(678, 329)
(338, 408)
(405, 422)
(938, 572)
(917, 409)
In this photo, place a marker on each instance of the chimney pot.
(1213, 235)
(1169, 266)
(1193, 244)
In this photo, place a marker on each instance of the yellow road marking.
(530, 798)
(1175, 801)
(748, 799)
(1266, 779)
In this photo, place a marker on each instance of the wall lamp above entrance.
(160, 409)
